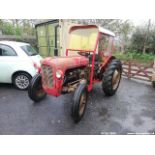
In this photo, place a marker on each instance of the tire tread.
(107, 77)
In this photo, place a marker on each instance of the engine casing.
(49, 66)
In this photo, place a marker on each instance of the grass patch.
(135, 56)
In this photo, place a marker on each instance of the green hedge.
(136, 56)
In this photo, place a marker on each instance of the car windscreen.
(29, 50)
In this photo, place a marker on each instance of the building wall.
(64, 35)
(46, 37)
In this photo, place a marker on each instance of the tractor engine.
(62, 74)
(72, 78)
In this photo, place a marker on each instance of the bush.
(142, 39)
(136, 56)
(18, 31)
(8, 29)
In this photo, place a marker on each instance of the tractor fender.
(109, 59)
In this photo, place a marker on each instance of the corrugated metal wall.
(46, 37)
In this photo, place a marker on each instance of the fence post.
(129, 70)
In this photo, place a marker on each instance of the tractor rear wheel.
(111, 77)
(35, 90)
(79, 102)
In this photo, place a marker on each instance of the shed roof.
(106, 31)
(42, 22)
(100, 29)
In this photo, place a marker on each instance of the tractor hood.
(64, 63)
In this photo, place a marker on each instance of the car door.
(8, 60)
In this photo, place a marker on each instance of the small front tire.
(35, 90)
(79, 102)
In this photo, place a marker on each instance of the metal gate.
(137, 71)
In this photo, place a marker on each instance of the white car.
(19, 62)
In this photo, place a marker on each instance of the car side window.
(7, 51)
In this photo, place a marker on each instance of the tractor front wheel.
(111, 77)
(153, 84)
(79, 102)
(35, 90)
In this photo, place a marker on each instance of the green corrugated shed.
(52, 36)
(46, 37)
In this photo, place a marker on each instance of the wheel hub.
(22, 82)
(82, 104)
(116, 79)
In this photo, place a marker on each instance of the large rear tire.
(35, 90)
(79, 102)
(111, 77)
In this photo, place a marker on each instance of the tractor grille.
(47, 76)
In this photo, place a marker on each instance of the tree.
(1, 23)
(124, 29)
(143, 39)
(100, 22)
(8, 29)
(146, 37)
(18, 26)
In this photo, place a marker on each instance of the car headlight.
(58, 74)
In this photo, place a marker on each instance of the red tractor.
(88, 61)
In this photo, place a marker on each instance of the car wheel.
(21, 80)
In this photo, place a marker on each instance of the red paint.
(61, 63)
(93, 62)
(68, 62)
(82, 27)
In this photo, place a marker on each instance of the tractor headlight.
(58, 74)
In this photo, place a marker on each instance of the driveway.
(130, 111)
